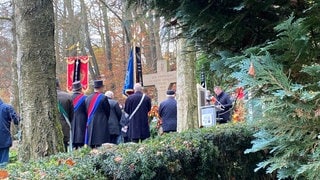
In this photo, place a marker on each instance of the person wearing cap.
(114, 119)
(138, 126)
(66, 114)
(98, 109)
(168, 112)
(79, 121)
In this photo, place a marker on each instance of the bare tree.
(6, 81)
(94, 68)
(42, 134)
(107, 38)
(150, 27)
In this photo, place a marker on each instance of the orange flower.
(70, 162)
(239, 112)
(4, 174)
(153, 112)
(251, 70)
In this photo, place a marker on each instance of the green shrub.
(170, 156)
(13, 155)
(208, 153)
(76, 165)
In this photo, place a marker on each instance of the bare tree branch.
(120, 19)
(5, 18)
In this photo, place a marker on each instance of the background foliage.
(281, 39)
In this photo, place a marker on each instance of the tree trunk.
(14, 89)
(186, 87)
(94, 64)
(41, 129)
(154, 37)
(156, 31)
(107, 36)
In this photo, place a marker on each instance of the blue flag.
(132, 76)
(129, 81)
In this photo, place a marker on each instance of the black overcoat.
(115, 116)
(139, 125)
(98, 129)
(65, 100)
(79, 120)
(168, 114)
(224, 99)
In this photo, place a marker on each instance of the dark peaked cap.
(76, 85)
(170, 92)
(97, 83)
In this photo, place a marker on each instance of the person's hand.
(219, 107)
(124, 129)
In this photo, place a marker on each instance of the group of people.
(98, 118)
(88, 120)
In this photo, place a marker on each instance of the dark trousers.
(122, 139)
(4, 156)
(66, 144)
(78, 145)
(95, 146)
(113, 138)
(126, 139)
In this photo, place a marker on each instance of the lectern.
(208, 115)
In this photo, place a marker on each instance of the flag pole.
(136, 78)
(77, 61)
(134, 59)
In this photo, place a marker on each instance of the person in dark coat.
(66, 114)
(124, 127)
(138, 127)
(224, 103)
(79, 121)
(98, 109)
(114, 119)
(168, 112)
(7, 114)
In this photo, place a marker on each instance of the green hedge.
(208, 153)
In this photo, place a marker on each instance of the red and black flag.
(77, 70)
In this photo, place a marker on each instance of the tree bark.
(14, 89)
(41, 129)
(187, 108)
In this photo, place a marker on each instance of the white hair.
(137, 87)
(109, 94)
